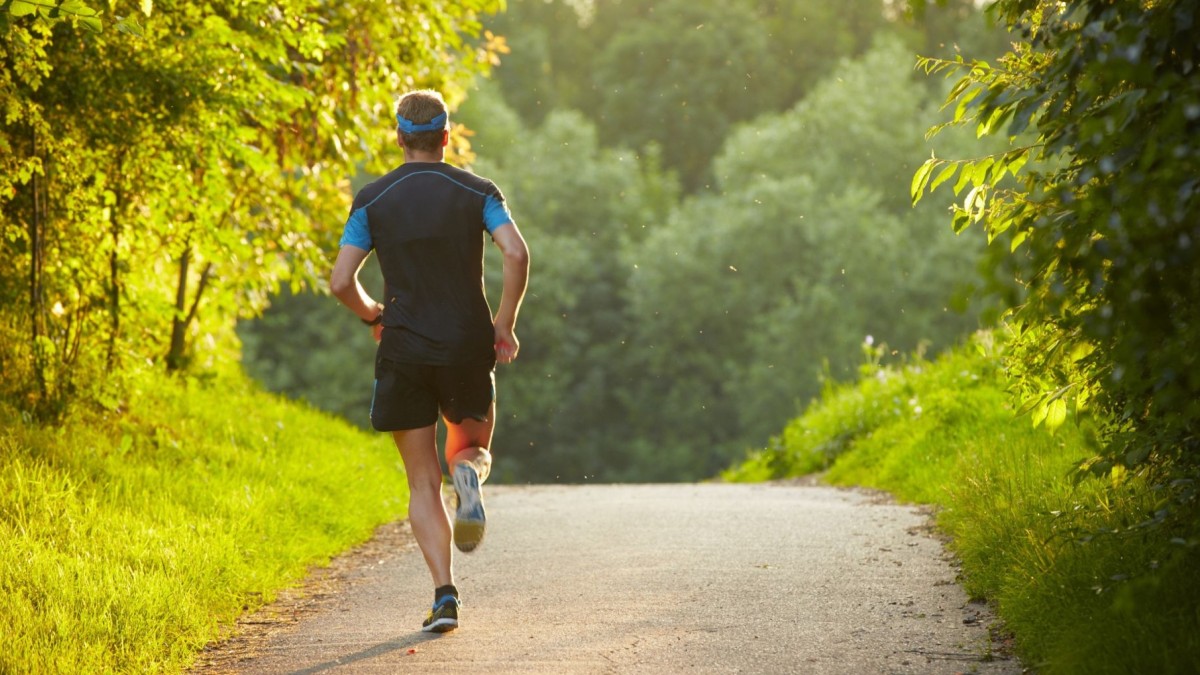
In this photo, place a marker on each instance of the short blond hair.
(420, 107)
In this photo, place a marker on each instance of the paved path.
(658, 578)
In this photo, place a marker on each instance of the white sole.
(440, 626)
(468, 532)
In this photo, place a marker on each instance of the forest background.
(715, 197)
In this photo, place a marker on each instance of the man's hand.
(507, 345)
(516, 276)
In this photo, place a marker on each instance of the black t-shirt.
(425, 221)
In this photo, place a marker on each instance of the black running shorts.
(410, 396)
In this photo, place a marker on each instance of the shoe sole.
(468, 527)
(441, 626)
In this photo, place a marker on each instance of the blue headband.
(436, 124)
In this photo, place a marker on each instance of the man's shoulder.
(372, 190)
(462, 177)
(467, 177)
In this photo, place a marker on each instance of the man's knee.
(424, 482)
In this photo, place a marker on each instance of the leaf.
(976, 203)
(1024, 112)
(1056, 413)
(993, 121)
(964, 103)
(147, 7)
(1018, 162)
(1019, 238)
(943, 176)
(979, 171)
(961, 220)
(997, 227)
(964, 177)
(921, 178)
(19, 8)
(76, 8)
(1137, 455)
(130, 26)
(1039, 414)
(1028, 405)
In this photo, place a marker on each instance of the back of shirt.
(426, 222)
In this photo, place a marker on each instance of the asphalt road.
(707, 578)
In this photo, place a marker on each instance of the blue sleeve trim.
(357, 233)
(495, 213)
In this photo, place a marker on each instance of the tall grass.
(1091, 575)
(129, 540)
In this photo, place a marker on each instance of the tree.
(809, 246)
(155, 189)
(1101, 104)
(678, 74)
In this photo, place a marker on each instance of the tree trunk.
(179, 322)
(114, 285)
(35, 281)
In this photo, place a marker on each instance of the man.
(438, 340)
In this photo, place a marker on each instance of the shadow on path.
(382, 649)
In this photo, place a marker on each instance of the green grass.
(129, 541)
(1099, 575)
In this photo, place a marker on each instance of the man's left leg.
(470, 463)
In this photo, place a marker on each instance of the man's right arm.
(344, 283)
(516, 278)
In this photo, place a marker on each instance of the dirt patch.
(319, 589)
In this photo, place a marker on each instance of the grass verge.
(129, 541)
(1094, 575)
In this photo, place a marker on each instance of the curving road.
(707, 578)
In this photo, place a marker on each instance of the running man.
(438, 340)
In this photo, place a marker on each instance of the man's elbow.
(340, 286)
(517, 256)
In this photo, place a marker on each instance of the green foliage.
(47, 13)
(128, 542)
(892, 400)
(1104, 98)
(809, 247)
(155, 189)
(687, 116)
(1098, 576)
(678, 74)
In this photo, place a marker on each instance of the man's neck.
(418, 156)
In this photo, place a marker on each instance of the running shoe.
(443, 617)
(470, 519)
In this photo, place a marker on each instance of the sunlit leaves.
(1096, 93)
(20, 7)
(51, 10)
(182, 178)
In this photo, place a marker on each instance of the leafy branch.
(1107, 89)
(51, 11)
